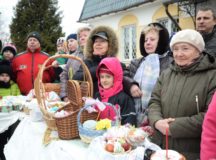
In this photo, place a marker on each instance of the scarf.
(146, 75)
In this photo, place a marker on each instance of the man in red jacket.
(26, 65)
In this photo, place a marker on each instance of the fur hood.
(112, 39)
(163, 43)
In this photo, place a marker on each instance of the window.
(129, 42)
(169, 25)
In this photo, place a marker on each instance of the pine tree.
(36, 15)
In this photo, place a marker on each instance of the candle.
(167, 143)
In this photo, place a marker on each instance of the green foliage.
(37, 15)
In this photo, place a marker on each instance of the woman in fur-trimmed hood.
(102, 42)
(111, 37)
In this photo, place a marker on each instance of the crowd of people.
(169, 87)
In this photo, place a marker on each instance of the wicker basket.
(86, 134)
(52, 87)
(67, 127)
(75, 90)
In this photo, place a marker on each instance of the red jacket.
(208, 141)
(26, 66)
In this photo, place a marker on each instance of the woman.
(142, 73)
(102, 42)
(182, 93)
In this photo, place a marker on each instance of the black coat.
(126, 104)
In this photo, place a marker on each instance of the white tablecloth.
(26, 144)
(7, 119)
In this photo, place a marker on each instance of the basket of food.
(76, 89)
(90, 127)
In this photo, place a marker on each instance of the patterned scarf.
(146, 75)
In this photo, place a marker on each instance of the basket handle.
(38, 83)
(117, 120)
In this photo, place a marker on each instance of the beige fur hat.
(188, 36)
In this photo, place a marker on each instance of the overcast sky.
(71, 12)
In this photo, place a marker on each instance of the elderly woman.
(142, 73)
(102, 42)
(182, 94)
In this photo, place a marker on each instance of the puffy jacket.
(26, 65)
(183, 94)
(12, 91)
(208, 141)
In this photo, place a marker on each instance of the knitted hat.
(11, 47)
(101, 35)
(72, 36)
(104, 69)
(5, 67)
(34, 34)
(61, 40)
(188, 36)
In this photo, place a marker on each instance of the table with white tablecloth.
(26, 143)
(9, 118)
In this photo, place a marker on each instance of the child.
(110, 77)
(8, 52)
(61, 49)
(7, 86)
(59, 63)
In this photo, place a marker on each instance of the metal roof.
(95, 8)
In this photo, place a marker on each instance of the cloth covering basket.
(75, 95)
(87, 135)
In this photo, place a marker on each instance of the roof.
(95, 8)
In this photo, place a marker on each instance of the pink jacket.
(208, 141)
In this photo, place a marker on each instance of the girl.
(110, 77)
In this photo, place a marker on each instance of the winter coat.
(70, 69)
(210, 42)
(26, 65)
(91, 60)
(208, 140)
(162, 49)
(12, 91)
(115, 94)
(183, 94)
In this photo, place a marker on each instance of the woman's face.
(184, 53)
(83, 36)
(100, 46)
(151, 42)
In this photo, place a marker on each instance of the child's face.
(72, 44)
(60, 47)
(8, 55)
(106, 80)
(4, 77)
